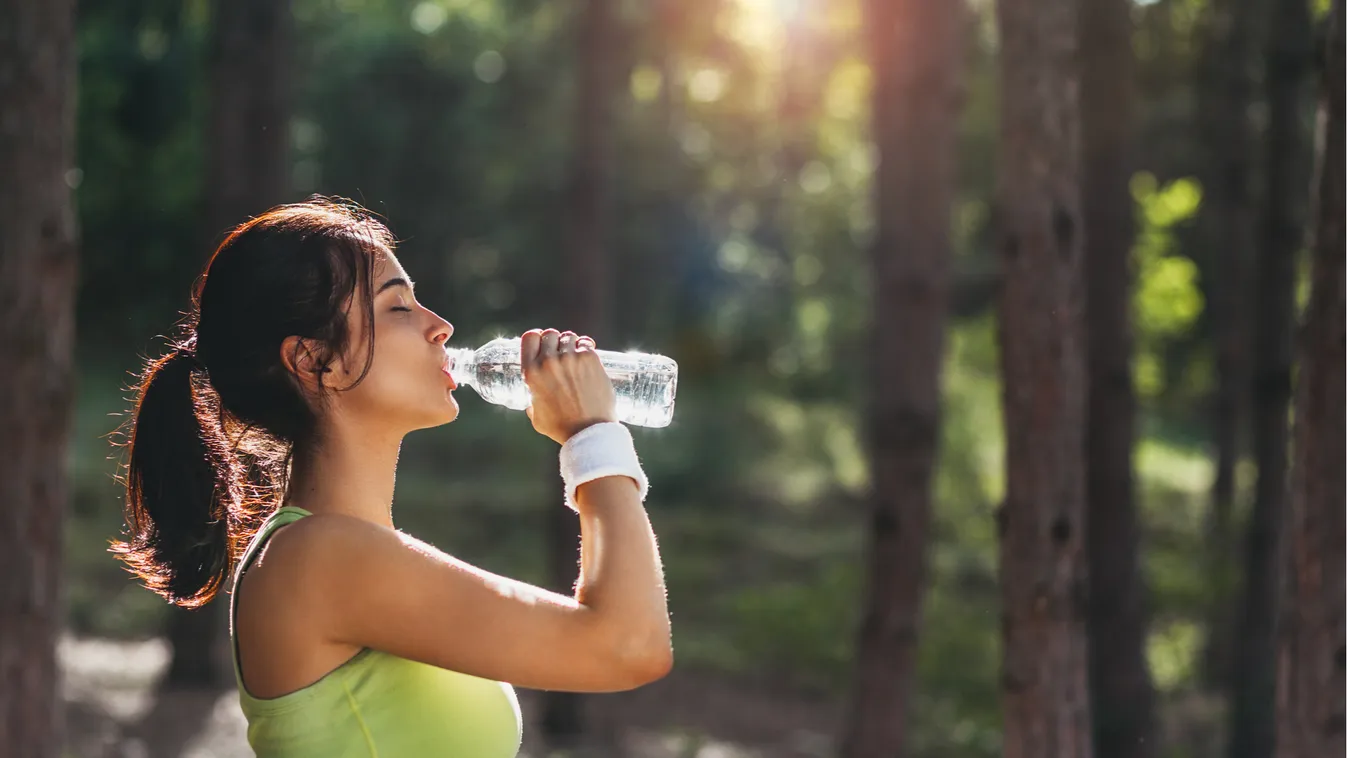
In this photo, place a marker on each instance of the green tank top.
(377, 705)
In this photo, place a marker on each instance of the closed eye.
(401, 308)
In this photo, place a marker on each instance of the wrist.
(592, 495)
(600, 451)
(570, 432)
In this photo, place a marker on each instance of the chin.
(443, 414)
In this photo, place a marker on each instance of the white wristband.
(597, 451)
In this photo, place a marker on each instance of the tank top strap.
(287, 514)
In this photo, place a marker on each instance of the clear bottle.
(645, 384)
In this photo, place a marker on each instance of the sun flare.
(761, 24)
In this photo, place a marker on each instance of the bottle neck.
(462, 362)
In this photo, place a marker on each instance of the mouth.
(453, 385)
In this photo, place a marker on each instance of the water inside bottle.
(645, 384)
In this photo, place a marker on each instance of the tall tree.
(1225, 94)
(1310, 706)
(37, 329)
(916, 50)
(1122, 697)
(584, 279)
(248, 123)
(1288, 53)
(1042, 524)
(247, 171)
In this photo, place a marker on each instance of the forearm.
(621, 577)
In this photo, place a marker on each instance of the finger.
(528, 347)
(547, 347)
(566, 342)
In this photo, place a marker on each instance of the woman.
(264, 447)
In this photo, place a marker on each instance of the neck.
(347, 473)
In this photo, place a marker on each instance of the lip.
(444, 369)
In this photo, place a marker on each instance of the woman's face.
(407, 387)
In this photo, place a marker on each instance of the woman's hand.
(570, 389)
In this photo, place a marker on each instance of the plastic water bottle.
(644, 383)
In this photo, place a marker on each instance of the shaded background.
(702, 174)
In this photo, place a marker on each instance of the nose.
(440, 330)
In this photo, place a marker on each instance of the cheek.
(400, 366)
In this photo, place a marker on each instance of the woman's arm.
(620, 571)
(369, 586)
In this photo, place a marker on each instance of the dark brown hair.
(219, 418)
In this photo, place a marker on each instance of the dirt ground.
(112, 712)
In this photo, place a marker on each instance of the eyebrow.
(396, 281)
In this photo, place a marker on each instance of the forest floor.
(114, 711)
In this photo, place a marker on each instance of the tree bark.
(1042, 524)
(38, 263)
(585, 280)
(248, 126)
(1122, 697)
(917, 50)
(1227, 230)
(247, 171)
(1310, 682)
(1288, 54)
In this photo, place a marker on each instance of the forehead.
(387, 266)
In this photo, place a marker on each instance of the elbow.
(647, 666)
(640, 658)
(664, 665)
(633, 656)
(656, 665)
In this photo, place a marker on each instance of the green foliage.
(1167, 301)
(804, 630)
(139, 172)
(1173, 654)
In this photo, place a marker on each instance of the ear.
(301, 358)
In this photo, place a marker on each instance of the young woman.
(263, 451)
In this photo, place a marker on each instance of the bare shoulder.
(317, 534)
(281, 625)
(301, 565)
(322, 547)
(343, 566)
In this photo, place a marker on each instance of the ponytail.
(218, 419)
(179, 482)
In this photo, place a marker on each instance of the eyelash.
(401, 308)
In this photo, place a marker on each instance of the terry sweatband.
(604, 449)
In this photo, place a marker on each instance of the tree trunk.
(1227, 226)
(1042, 524)
(917, 50)
(248, 128)
(247, 171)
(37, 298)
(1310, 683)
(1288, 51)
(1122, 697)
(585, 285)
